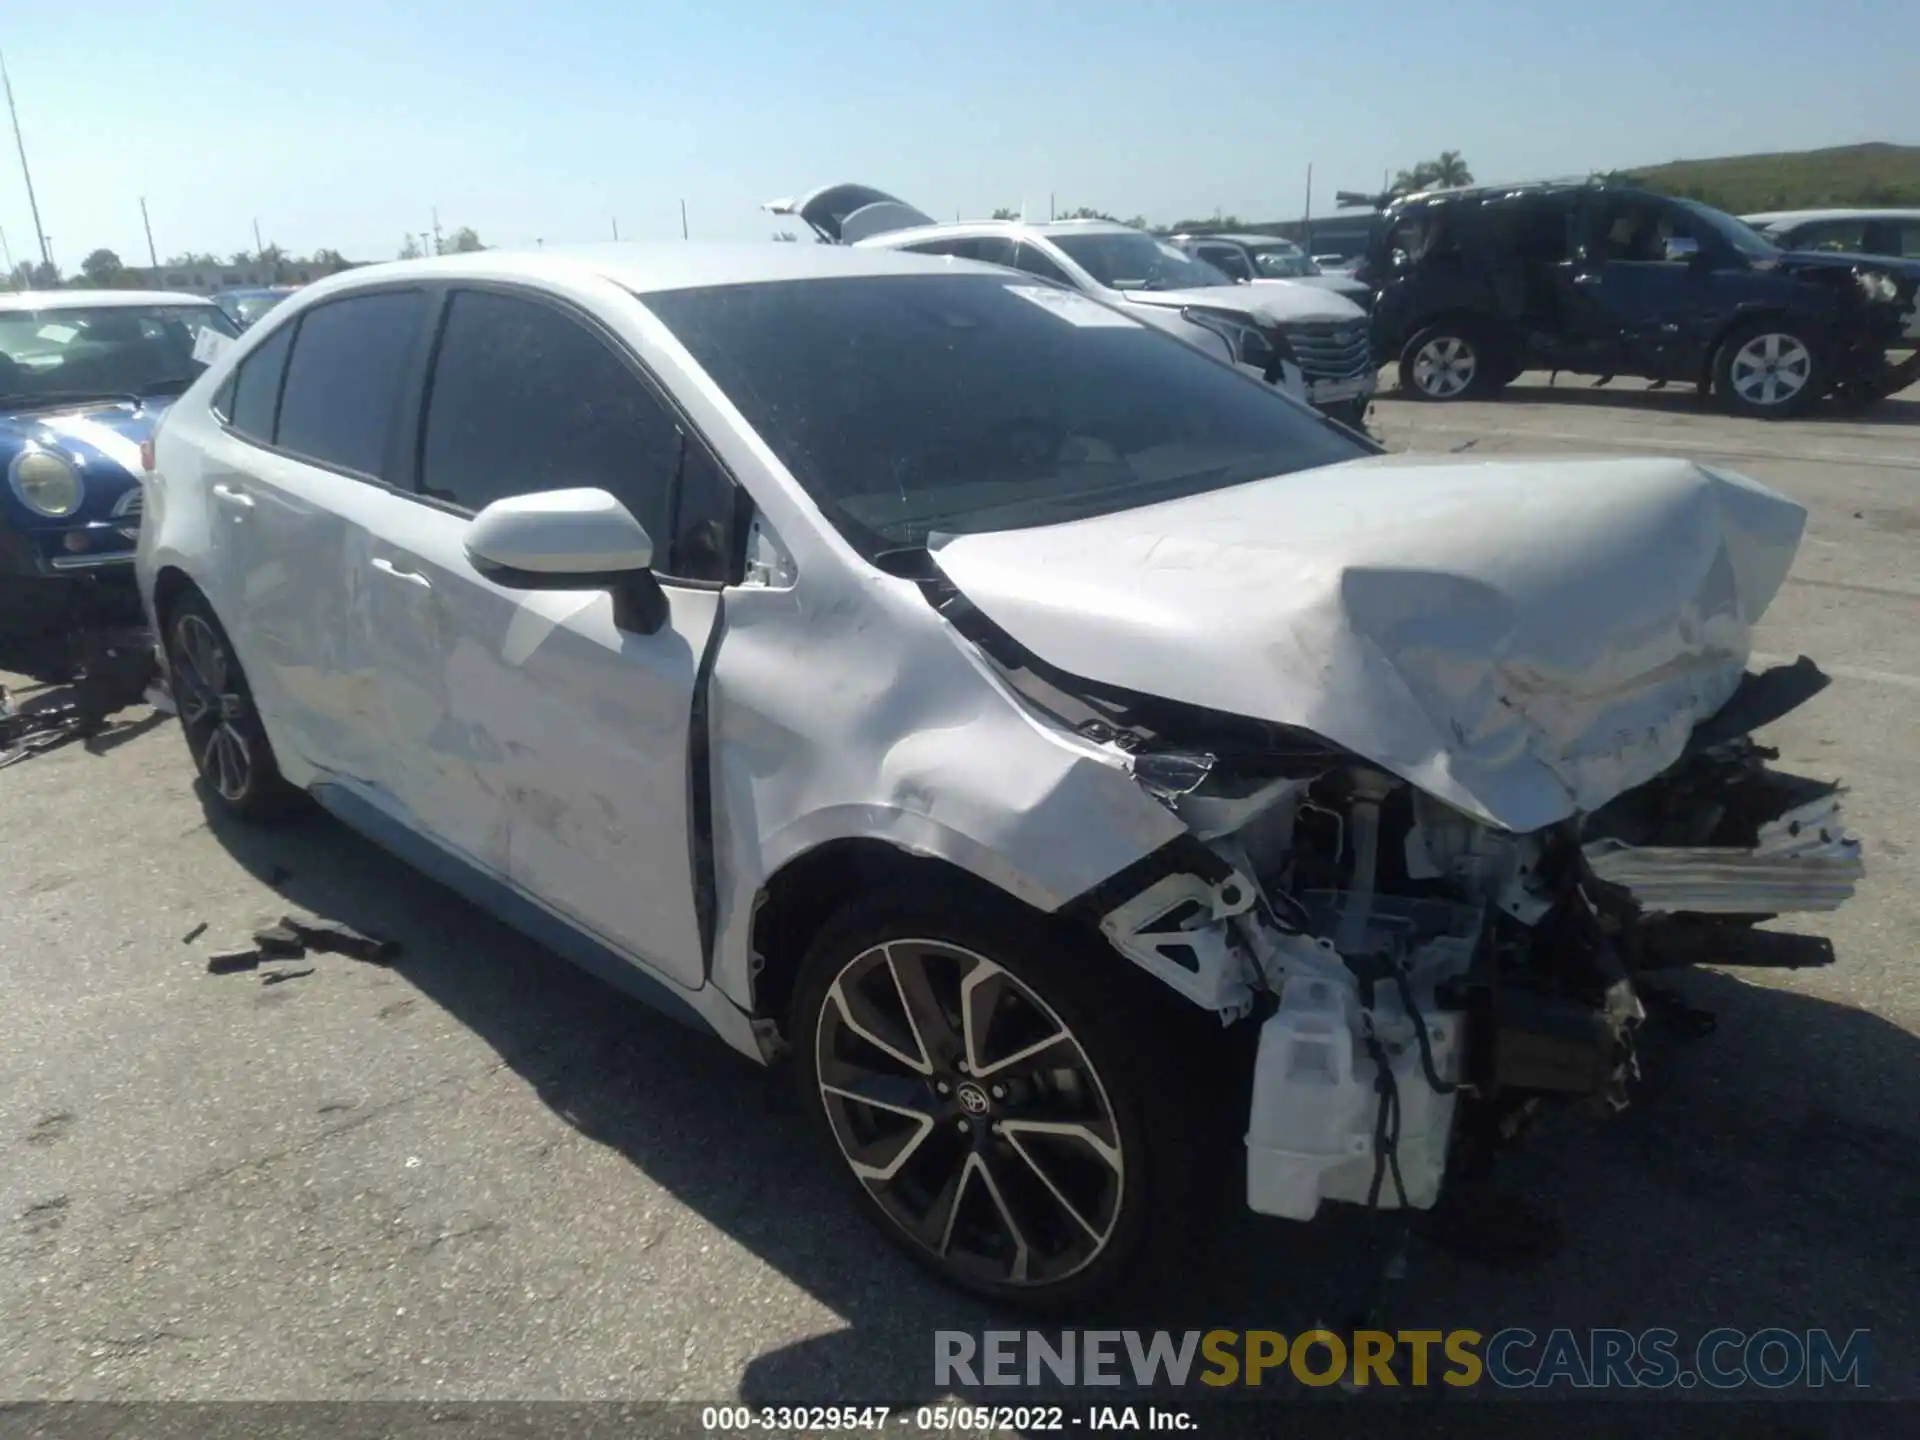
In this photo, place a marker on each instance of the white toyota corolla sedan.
(1059, 746)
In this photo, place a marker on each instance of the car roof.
(644, 267)
(1013, 229)
(95, 299)
(1240, 238)
(1797, 217)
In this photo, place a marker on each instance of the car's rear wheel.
(1001, 1117)
(1769, 368)
(218, 717)
(1449, 361)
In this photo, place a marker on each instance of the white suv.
(1311, 341)
(1060, 745)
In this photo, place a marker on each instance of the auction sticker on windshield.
(1073, 307)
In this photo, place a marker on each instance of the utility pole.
(614, 220)
(1050, 205)
(683, 219)
(25, 174)
(1306, 220)
(153, 256)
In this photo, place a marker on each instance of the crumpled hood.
(1521, 638)
(103, 441)
(1284, 302)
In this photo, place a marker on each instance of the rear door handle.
(412, 577)
(238, 499)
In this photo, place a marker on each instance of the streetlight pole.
(153, 255)
(21, 145)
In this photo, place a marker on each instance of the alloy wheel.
(1445, 366)
(210, 705)
(1771, 369)
(970, 1112)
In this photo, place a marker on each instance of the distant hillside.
(1876, 174)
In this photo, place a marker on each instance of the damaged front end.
(1402, 958)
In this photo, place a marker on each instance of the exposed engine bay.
(1401, 957)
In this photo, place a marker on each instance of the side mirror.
(570, 540)
(1681, 247)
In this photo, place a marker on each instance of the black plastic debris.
(232, 962)
(276, 977)
(338, 938)
(279, 942)
(194, 934)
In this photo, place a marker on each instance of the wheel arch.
(809, 888)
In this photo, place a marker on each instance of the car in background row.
(1477, 284)
(1071, 756)
(84, 377)
(1253, 259)
(1893, 233)
(244, 307)
(1310, 342)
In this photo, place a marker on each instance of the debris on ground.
(194, 934)
(293, 938)
(231, 962)
(275, 977)
(115, 668)
(338, 938)
(279, 942)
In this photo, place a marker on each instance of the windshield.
(1128, 260)
(913, 404)
(1737, 234)
(1284, 264)
(70, 353)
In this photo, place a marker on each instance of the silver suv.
(1312, 341)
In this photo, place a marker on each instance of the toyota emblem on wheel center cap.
(972, 1098)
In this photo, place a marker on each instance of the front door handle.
(237, 499)
(412, 577)
(1587, 277)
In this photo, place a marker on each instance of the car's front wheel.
(1769, 368)
(217, 715)
(999, 1114)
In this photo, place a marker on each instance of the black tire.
(1451, 360)
(1770, 369)
(222, 727)
(959, 1163)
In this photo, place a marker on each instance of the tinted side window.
(706, 519)
(1528, 229)
(343, 381)
(256, 387)
(1035, 262)
(1906, 239)
(525, 398)
(1849, 236)
(993, 249)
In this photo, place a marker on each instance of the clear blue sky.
(343, 124)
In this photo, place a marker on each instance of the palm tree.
(1418, 178)
(1450, 171)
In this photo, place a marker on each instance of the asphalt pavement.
(481, 1174)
